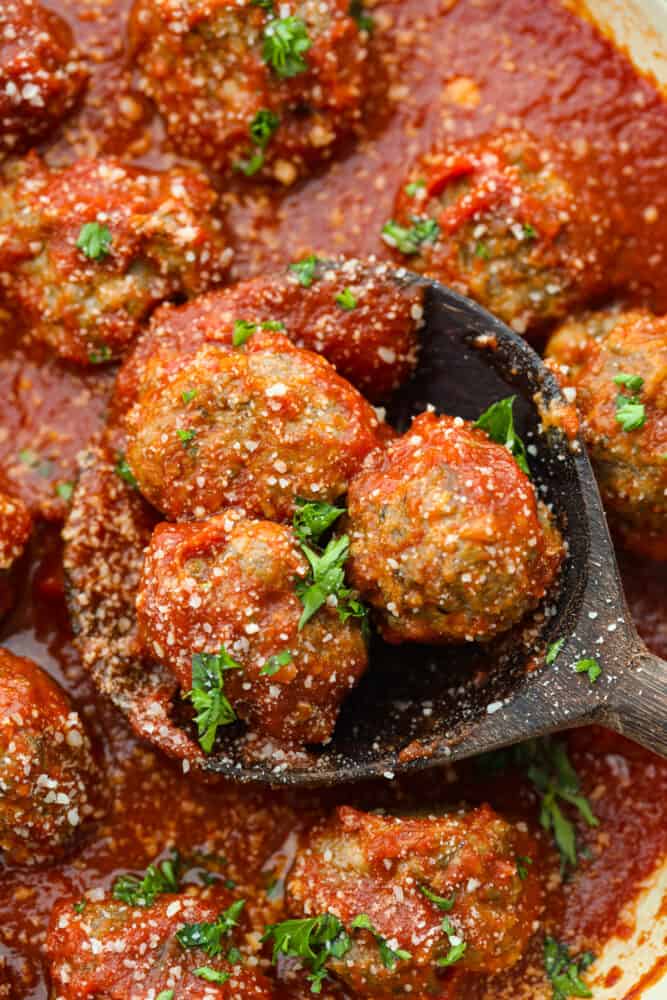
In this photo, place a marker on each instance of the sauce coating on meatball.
(90, 250)
(448, 540)
(250, 88)
(445, 893)
(15, 528)
(253, 427)
(497, 219)
(46, 764)
(41, 75)
(109, 950)
(615, 364)
(230, 586)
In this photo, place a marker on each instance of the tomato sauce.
(463, 67)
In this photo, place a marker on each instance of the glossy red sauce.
(467, 66)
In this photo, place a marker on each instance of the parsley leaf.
(159, 879)
(442, 902)
(285, 42)
(389, 956)
(498, 422)
(94, 240)
(457, 945)
(275, 662)
(80, 906)
(243, 330)
(99, 355)
(482, 251)
(312, 939)
(208, 936)
(188, 395)
(208, 697)
(327, 577)
(564, 971)
(346, 300)
(529, 232)
(409, 240)
(521, 866)
(633, 383)
(250, 166)
(262, 127)
(413, 189)
(590, 667)
(64, 491)
(305, 270)
(123, 470)
(312, 518)
(165, 995)
(364, 21)
(553, 650)
(211, 975)
(630, 411)
(186, 437)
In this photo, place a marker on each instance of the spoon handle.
(640, 709)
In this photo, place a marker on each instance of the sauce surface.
(463, 67)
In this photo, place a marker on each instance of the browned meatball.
(253, 427)
(89, 251)
(260, 88)
(219, 603)
(46, 766)
(15, 527)
(40, 74)
(109, 950)
(614, 363)
(419, 896)
(449, 541)
(373, 344)
(498, 219)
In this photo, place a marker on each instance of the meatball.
(373, 344)
(15, 527)
(46, 764)
(615, 361)
(243, 87)
(230, 587)
(498, 219)
(455, 891)
(109, 950)
(40, 73)
(89, 251)
(448, 539)
(253, 427)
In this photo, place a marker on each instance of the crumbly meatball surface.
(113, 951)
(15, 527)
(497, 219)
(616, 362)
(448, 540)
(46, 764)
(90, 250)
(41, 76)
(247, 87)
(230, 583)
(374, 344)
(253, 427)
(480, 867)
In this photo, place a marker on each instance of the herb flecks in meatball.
(41, 75)
(89, 251)
(449, 542)
(498, 219)
(259, 89)
(46, 765)
(182, 942)
(417, 897)
(614, 365)
(252, 427)
(220, 603)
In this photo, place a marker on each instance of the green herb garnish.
(314, 940)
(498, 422)
(80, 906)
(590, 667)
(99, 355)
(312, 518)
(413, 189)
(165, 995)
(186, 437)
(564, 971)
(305, 270)
(243, 330)
(457, 945)
(160, 878)
(442, 902)
(630, 411)
(123, 470)
(327, 578)
(285, 42)
(529, 232)
(364, 21)
(482, 251)
(553, 650)
(346, 300)
(633, 383)
(207, 695)
(522, 863)
(94, 240)
(408, 240)
(208, 936)
(261, 130)
(64, 491)
(389, 956)
(211, 975)
(188, 395)
(275, 662)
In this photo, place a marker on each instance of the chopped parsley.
(553, 651)
(275, 662)
(208, 697)
(243, 330)
(94, 240)
(160, 878)
(80, 906)
(521, 866)
(234, 956)
(413, 189)
(211, 975)
(364, 20)
(498, 422)
(408, 240)
(482, 251)
(187, 437)
(285, 42)
(42, 466)
(64, 491)
(630, 411)
(208, 936)
(305, 270)
(457, 945)
(442, 902)
(99, 355)
(590, 667)
(264, 4)
(346, 300)
(327, 579)
(123, 470)
(564, 971)
(312, 939)
(261, 130)
(312, 518)
(529, 232)
(389, 956)
(188, 395)
(165, 995)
